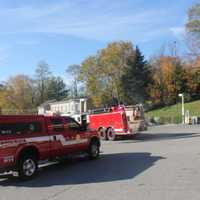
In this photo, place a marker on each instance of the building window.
(65, 109)
(72, 108)
(76, 108)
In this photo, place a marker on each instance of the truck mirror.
(84, 126)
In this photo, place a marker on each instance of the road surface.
(160, 164)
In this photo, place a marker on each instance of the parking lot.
(162, 163)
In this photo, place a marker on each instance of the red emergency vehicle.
(116, 121)
(26, 140)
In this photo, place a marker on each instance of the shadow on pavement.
(110, 167)
(164, 136)
(145, 136)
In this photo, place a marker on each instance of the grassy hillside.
(172, 114)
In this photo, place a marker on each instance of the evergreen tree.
(180, 81)
(56, 89)
(136, 79)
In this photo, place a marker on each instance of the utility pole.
(183, 108)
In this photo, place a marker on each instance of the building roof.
(66, 100)
(46, 103)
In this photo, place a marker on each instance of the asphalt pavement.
(162, 163)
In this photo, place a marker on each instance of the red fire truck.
(117, 121)
(26, 140)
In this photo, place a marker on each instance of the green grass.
(172, 114)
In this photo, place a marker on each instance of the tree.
(102, 73)
(169, 79)
(43, 75)
(163, 80)
(73, 71)
(193, 29)
(136, 79)
(3, 95)
(90, 76)
(193, 78)
(17, 94)
(56, 89)
(112, 62)
(179, 77)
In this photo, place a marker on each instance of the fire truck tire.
(28, 166)
(94, 149)
(102, 134)
(111, 134)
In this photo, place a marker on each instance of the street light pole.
(183, 108)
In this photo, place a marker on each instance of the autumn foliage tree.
(22, 94)
(102, 73)
(117, 73)
(169, 79)
(17, 94)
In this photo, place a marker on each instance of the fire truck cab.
(26, 140)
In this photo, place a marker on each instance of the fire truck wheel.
(28, 166)
(102, 134)
(111, 134)
(94, 150)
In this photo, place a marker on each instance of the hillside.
(172, 114)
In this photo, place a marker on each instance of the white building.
(69, 107)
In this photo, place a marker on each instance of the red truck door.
(79, 138)
(65, 136)
(57, 134)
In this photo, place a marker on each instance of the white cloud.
(106, 27)
(89, 21)
(178, 31)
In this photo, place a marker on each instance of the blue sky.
(64, 32)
